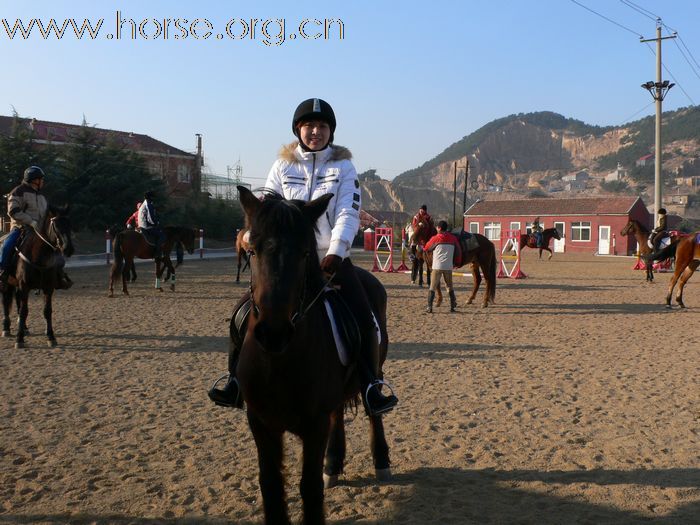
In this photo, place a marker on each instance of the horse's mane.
(641, 227)
(279, 218)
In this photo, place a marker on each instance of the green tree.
(19, 150)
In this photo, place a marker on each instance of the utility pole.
(658, 91)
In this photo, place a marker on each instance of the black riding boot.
(453, 301)
(431, 298)
(230, 394)
(375, 402)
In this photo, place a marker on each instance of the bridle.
(303, 307)
(57, 248)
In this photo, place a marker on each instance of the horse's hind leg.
(684, 279)
(476, 278)
(22, 301)
(335, 452)
(48, 316)
(269, 445)
(380, 449)
(672, 284)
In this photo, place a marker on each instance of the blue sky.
(407, 80)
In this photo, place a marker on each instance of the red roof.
(58, 132)
(556, 207)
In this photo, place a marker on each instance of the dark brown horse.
(243, 251)
(417, 240)
(530, 241)
(41, 258)
(687, 254)
(290, 375)
(641, 234)
(131, 244)
(483, 260)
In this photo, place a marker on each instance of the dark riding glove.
(331, 264)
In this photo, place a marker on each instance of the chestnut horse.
(243, 251)
(131, 244)
(40, 259)
(417, 239)
(529, 240)
(289, 371)
(687, 254)
(482, 259)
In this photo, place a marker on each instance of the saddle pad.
(467, 241)
(346, 333)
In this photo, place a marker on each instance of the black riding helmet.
(314, 109)
(148, 195)
(33, 173)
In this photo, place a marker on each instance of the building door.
(603, 240)
(559, 244)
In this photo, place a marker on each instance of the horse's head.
(423, 232)
(285, 262)
(633, 227)
(555, 234)
(58, 230)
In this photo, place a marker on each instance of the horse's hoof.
(172, 287)
(110, 294)
(330, 481)
(383, 474)
(52, 343)
(19, 345)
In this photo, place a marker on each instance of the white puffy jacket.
(305, 175)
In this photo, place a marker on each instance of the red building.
(181, 171)
(586, 225)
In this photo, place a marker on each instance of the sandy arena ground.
(576, 399)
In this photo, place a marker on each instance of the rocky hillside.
(528, 154)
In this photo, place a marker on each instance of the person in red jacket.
(133, 221)
(446, 255)
(422, 216)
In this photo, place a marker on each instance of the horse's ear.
(315, 208)
(249, 201)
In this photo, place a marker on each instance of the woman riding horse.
(307, 169)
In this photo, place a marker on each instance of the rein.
(55, 248)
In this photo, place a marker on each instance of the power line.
(692, 67)
(608, 19)
(640, 10)
(637, 113)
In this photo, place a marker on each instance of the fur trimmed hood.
(339, 152)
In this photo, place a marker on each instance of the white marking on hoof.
(330, 481)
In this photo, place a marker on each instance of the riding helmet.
(314, 109)
(148, 195)
(33, 173)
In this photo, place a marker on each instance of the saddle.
(346, 331)
(662, 240)
(467, 241)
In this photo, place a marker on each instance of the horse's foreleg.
(238, 273)
(48, 316)
(7, 311)
(159, 273)
(335, 452)
(315, 439)
(380, 449)
(550, 253)
(269, 445)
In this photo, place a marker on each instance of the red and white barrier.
(383, 250)
(510, 264)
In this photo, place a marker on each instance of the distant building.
(181, 171)
(646, 159)
(575, 181)
(586, 225)
(615, 176)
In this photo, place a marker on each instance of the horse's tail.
(179, 253)
(491, 273)
(118, 263)
(662, 255)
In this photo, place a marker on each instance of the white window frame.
(183, 173)
(473, 227)
(490, 228)
(515, 225)
(578, 229)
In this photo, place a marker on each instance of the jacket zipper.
(313, 175)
